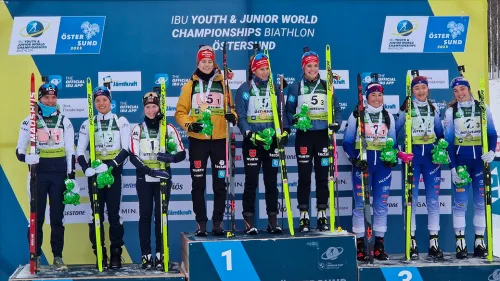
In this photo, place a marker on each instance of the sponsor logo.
(197, 164)
(303, 150)
(123, 81)
(252, 152)
(161, 78)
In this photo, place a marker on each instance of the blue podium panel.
(88, 272)
(270, 257)
(471, 269)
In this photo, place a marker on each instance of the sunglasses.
(260, 56)
(310, 54)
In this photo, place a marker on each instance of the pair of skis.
(486, 167)
(408, 167)
(281, 150)
(230, 149)
(332, 144)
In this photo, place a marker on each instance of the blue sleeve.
(392, 131)
(400, 121)
(349, 143)
(291, 102)
(438, 125)
(492, 132)
(449, 136)
(338, 111)
(241, 108)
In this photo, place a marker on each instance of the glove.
(295, 120)
(230, 117)
(76, 187)
(71, 175)
(195, 127)
(335, 127)
(255, 138)
(405, 157)
(31, 159)
(404, 104)
(101, 168)
(283, 139)
(165, 157)
(454, 177)
(488, 157)
(360, 164)
(162, 174)
(89, 172)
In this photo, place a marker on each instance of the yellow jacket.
(182, 113)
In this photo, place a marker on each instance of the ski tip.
(327, 47)
(88, 80)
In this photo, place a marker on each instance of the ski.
(486, 168)
(409, 166)
(282, 105)
(33, 222)
(95, 205)
(230, 148)
(331, 137)
(281, 149)
(365, 186)
(165, 194)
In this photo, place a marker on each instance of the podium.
(281, 257)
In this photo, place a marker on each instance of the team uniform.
(462, 130)
(379, 126)
(427, 129)
(55, 158)
(145, 155)
(311, 146)
(112, 137)
(206, 91)
(253, 105)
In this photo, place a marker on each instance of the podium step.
(131, 272)
(312, 256)
(426, 269)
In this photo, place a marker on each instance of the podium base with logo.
(428, 269)
(276, 257)
(131, 272)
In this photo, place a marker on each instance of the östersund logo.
(90, 29)
(123, 81)
(455, 29)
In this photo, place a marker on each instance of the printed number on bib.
(318, 99)
(212, 99)
(262, 103)
(44, 137)
(105, 138)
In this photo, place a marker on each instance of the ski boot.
(434, 250)
(322, 223)
(159, 262)
(362, 255)
(273, 226)
(414, 249)
(147, 262)
(250, 228)
(217, 229)
(480, 250)
(202, 229)
(304, 222)
(59, 264)
(378, 249)
(115, 261)
(104, 259)
(461, 247)
(37, 263)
